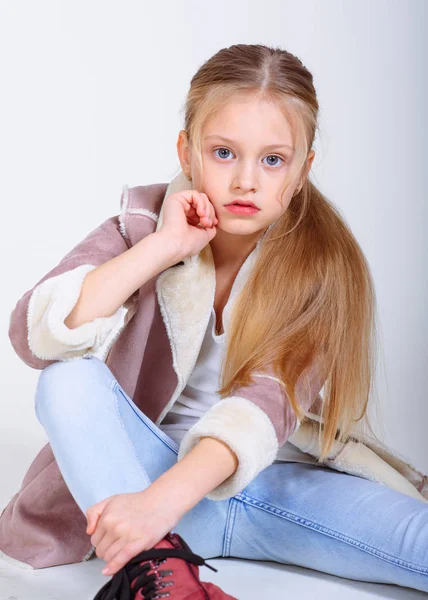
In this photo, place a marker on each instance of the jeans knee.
(63, 384)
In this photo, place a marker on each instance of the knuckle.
(121, 528)
(109, 519)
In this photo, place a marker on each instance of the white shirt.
(200, 394)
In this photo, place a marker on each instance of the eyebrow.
(221, 137)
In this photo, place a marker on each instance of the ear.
(309, 161)
(183, 151)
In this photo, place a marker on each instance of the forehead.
(248, 121)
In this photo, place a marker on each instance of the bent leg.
(105, 445)
(81, 409)
(334, 522)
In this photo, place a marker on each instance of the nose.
(245, 177)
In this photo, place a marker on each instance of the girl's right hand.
(189, 221)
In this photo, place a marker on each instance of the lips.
(242, 203)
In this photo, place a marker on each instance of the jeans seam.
(115, 385)
(245, 498)
(228, 530)
(113, 389)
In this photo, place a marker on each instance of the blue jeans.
(293, 513)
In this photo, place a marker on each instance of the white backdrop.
(91, 99)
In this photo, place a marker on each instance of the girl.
(184, 344)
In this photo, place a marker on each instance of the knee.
(66, 383)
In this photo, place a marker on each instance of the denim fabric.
(293, 513)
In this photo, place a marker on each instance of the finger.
(200, 203)
(208, 203)
(100, 532)
(205, 217)
(187, 197)
(97, 539)
(209, 222)
(92, 525)
(93, 513)
(195, 205)
(210, 212)
(103, 547)
(214, 216)
(92, 522)
(189, 208)
(211, 232)
(114, 549)
(124, 555)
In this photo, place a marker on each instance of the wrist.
(168, 247)
(190, 479)
(168, 486)
(159, 497)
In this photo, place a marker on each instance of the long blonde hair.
(310, 295)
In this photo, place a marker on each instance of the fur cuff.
(247, 430)
(50, 304)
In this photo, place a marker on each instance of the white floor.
(246, 580)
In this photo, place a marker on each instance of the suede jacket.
(162, 324)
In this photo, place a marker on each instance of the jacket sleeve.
(37, 330)
(254, 423)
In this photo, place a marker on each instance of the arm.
(41, 329)
(43, 307)
(253, 423)
(71, 314)
(207, 465)
(107, 287)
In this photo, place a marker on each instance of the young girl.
(184, 344)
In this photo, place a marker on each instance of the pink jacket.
(162, 324)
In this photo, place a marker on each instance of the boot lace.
(150, 584)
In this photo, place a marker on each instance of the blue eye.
(221, 149)
(274, 156)
(270, 155)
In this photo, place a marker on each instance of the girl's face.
(247, 153)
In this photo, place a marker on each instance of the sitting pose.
(183, 348)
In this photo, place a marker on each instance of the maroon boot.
(143, 577)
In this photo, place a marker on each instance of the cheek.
(211, 186)
(284, 206)
(284, 198)
(278, 207)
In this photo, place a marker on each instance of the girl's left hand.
(124, 525)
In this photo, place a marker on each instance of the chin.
(238, 229)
